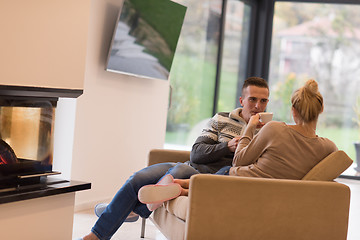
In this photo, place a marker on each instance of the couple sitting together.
(235, 143)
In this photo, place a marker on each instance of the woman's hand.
(255, 121)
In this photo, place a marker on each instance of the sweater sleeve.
(206, 150)
(250, 148)
(207, 147)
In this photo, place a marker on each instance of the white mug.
(266, 117)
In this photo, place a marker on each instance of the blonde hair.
(308, 101)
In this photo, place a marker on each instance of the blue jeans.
(224, 170)
(126, 199)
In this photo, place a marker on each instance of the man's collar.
(235, 114)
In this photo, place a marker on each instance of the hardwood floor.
(84, 220)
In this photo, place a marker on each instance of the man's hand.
(232, 144)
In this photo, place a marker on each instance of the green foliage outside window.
(280, 98)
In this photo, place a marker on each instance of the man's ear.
(241, 101)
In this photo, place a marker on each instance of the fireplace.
(29, 193)
(27, 117)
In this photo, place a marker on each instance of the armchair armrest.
(167, 155)
(330, 167)
(228, 207)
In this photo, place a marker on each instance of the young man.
(212, 150)
(215, 147)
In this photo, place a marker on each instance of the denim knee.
(182, 171)
(149, 175)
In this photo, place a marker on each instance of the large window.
(319, 41)
(209, 36)
(287, 42)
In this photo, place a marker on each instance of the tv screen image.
(145, 38)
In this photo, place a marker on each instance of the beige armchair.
(228, 207)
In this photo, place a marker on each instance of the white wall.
(64, 136)
(43, 43)
(119, 118)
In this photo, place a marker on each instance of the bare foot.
(184, 192)
(184, 183)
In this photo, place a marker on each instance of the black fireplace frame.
(41, 92)
(31, 174)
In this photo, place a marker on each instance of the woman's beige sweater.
(278, 151)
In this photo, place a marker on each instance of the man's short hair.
(255, 81)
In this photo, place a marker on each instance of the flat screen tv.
(145, 38)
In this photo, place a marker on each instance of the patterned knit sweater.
(210, 151)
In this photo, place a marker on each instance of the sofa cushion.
(178, 206)
(330, 167)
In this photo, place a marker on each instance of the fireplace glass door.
(26, 131)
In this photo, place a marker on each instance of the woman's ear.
(295, 113)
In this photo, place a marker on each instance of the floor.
(84, 220)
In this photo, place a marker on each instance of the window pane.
(193, 72)
(194, 69)
(235, 51)
(319, 41)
